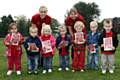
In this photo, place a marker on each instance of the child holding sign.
(48, 45)
(63, 43)
(32, 45)
(79, 44)
(108, 42)
(13, 42)
(93, 50)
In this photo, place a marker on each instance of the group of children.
(45, 44)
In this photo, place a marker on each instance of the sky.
(56, 8)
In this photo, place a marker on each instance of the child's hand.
(102, 45)
(94, 44)
(60, 45)
(37, 49)
(66, 43)
(113, 48)
(28, 48)
(84, 40)
(8, 43)
(75, 41)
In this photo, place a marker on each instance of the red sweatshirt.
(52, 40)
(38, 21)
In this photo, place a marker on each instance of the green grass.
(87, 75)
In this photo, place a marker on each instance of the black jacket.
(114, 38)
(58, 41)
(35, 40)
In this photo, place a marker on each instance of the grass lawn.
(87, 75)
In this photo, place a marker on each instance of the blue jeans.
(93, 59)
(64, 61)
(47, 63)
(32, 62)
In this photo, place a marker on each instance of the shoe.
(44, 71)
(60, 69)
(73, 70)
(111, 71)
(81, 70)
(103, 71)
(9, 72)
(49, 70)
(35, 72)
(67, 69)
(29, 72)
(18, 72)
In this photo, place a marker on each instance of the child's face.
(33, 33)
(107, 27)
(73, 15)
(93, 28)
(62, 31)
(13, 29)
(46, 32)
(43, 12)
(78, 28)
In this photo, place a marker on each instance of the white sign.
(79, 37)
(15, 38)
(108, 45)
(46, 46)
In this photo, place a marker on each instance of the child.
(108, 42)
(32, 45)
(48, 45)
(92, 40)
(79, 42)
(63, 44)
(13, 42)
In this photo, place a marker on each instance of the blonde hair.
(107, 21)
(94, 23)
(11, 25)
(33, 29)
(80, 24)
(62, 26)
(44, 27)
(43, 7)
(73, 10)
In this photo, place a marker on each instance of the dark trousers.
(40, 62)
(72, 52)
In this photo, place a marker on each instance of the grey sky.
(56, 8)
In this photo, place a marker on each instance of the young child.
(93, 48)
(79, 42)
(33, 45)
(13, 42)
(48, 45)
(108, 42)
(63, 43)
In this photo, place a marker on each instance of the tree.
(23, 24)
(116, 24)
(4, 24)
(88, 10)
(54, 26)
